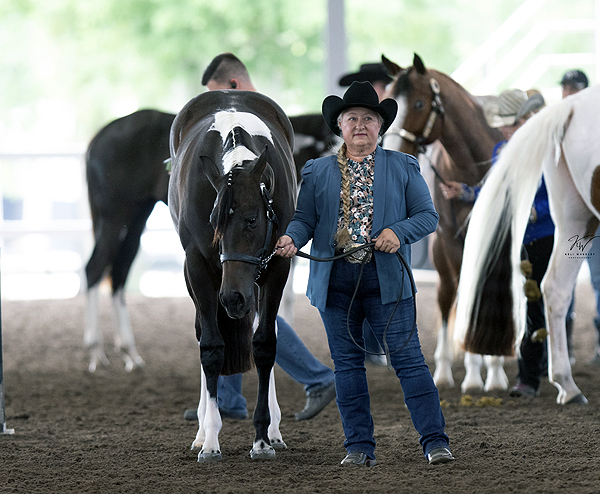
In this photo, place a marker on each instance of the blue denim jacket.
(401, 202)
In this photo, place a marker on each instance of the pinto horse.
(432, 106)
(561, 143)
(231, 195)
(126, 177)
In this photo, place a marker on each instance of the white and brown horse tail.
(491, 303)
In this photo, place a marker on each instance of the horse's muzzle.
(236, 304)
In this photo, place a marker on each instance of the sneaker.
(316, 401)
(521, 390)
(439, 455)
(357, 459)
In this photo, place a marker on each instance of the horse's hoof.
(278, 444)
(577, 400)
(262, 454)
(209, 457)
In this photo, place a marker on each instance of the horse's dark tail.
(491, 308)
(237, 335)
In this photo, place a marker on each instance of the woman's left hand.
(387, 241)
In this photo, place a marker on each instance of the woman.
(366, 194)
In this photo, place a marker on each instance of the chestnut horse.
(560, 142)
(432, 106)
(232, 193)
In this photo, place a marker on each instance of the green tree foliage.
(89, 61)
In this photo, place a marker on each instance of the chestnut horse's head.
(420, 111)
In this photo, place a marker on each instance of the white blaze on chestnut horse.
(561, 142)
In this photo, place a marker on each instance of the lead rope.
(413, 287)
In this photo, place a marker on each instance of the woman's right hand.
(285, 247)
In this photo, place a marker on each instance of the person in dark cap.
(365, 194)
(573, 81)
(374, 73)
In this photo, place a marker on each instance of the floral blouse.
(361, 199)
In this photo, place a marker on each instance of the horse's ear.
(268, 178)
(418, 64)
(212, 171)
(392, 68)
(259, 165)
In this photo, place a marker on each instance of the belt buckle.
(360, 256)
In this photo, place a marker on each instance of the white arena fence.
(46, 234)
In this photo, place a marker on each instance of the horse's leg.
(264, 348)
(124, 339)
(105, 248)
(496, 377)
(212, 349)
(201, 412)
(275, 413)
(128, 248)
(472, 380)
(446, 292)
(572, 219)
(93, 335)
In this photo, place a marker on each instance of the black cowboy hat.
(369, 72)
(358, 94)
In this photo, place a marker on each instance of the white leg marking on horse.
(472, 381)
(496, 377)
(93, 338)
(444, 356)
(200, 435)
(124, 339)
(275, 412)
(212, 426)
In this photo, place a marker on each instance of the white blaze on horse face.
(392, 139)
(225, 122)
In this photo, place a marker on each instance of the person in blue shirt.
(514, 108)
(364, 194)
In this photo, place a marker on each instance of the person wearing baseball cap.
(573, 81)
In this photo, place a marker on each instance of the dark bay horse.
(232, 193)
(561, 142)
(126, 177)
(431, 107)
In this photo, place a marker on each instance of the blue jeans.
(292, 356)
(420, 394)
(594, 265)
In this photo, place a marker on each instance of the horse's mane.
(223, 204)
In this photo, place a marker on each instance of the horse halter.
(436, 109)
(262, 257)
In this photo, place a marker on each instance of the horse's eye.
(251, 222)
(418, 105)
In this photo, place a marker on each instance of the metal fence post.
(4, 430)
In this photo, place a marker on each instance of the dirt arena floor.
(114, 431)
